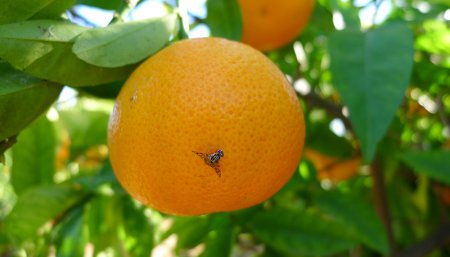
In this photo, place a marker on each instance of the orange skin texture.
(331, 168)
(268, 24)
(203, 95)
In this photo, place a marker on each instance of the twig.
(441, 110)
(76, 15)
(436, 240)
(382, 205)
(312, 99)
(377, 8)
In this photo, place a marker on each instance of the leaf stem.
(382, 205)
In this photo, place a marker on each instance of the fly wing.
(204, 156)
(217, 169)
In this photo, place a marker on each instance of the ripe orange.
(204, 95)
(269, 24)
(332, 168)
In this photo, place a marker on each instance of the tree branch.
(436, 240)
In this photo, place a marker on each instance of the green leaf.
(219, 240)
(138, 229)
(189, 230)
(45, 31)
(371, 70)
(25, 42)
(125, 43)
(357, 215)
(86, 127)
(22, 99)
(436, 38)
(34, 156)
(224, 19)
(37, 206)
(103, 221)
(435, 164)
(43, 48)
(299, 232)
(62, 66)
(18, 10)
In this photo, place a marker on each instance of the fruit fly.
(212, 160)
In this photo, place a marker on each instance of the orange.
(269, 24)
(204, 95)
(332, 168)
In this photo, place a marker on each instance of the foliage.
(377, 88)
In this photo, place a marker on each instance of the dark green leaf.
(54, 9)
(109, 91)
(138, 229)
(329, 143)
(34, 156)
(321, 22)
(43, 48)
(219, 240)
(224, 18)
(124, 43)
(22, 99)
(69, 239)
(301, 232)
(18, 10)
(435, 164)
(104, 176)
(5, 144)
(286, 60)
(357, 215)
(371, 70)
(37, 206)
(109, 5)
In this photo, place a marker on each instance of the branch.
(5, 145)
(196, 18)
(312, 99)
(382, 205)
(436, 240)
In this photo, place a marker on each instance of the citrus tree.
(367, 82)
